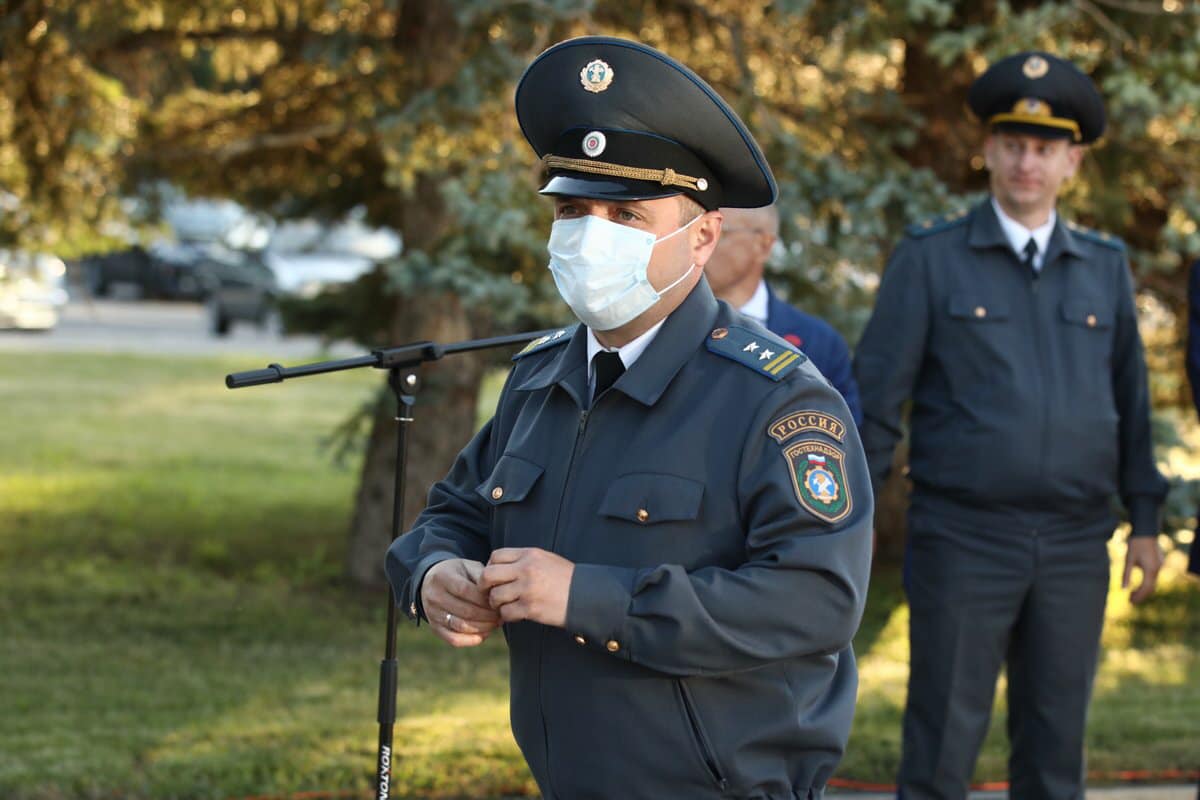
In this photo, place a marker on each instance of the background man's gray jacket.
(707, 649)
(1030, 404)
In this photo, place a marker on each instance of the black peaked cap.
(1039, 94)
(613, 119)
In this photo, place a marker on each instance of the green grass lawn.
(173, 622)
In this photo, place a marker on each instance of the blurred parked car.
(301, 260)
(32, 288)
(163, 270)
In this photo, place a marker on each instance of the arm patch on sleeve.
(818, 474)
(799, 422)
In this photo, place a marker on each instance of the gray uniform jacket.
(718, 511)
(1030, 406)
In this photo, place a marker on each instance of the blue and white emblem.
(596, 76)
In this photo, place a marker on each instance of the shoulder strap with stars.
(560, 336)
(1098, 237)
(936, 225)
(762, 352)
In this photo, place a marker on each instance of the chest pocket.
(975, 309)
(648, 498)
(510, 482)
(1086, 313)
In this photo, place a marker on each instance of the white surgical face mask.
(599, 268)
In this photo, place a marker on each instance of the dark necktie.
(608, 369)
(1030, 251)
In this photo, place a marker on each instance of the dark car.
(241, 288)
(303, 259)
(164, 271)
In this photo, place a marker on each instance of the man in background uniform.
(735, 273)
(670, 511)
(1193, 374)
(1014, 334)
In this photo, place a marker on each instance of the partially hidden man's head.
(747, 237)
(1040, 111)
(635, 147)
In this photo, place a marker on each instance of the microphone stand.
(403, 365)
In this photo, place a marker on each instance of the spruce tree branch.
(1103, 20)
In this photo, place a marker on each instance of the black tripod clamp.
(403, 365)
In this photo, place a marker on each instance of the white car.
(32, 289)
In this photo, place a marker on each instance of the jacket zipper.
(580, 431)
(706, 751)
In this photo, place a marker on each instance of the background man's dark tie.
(1030, 251)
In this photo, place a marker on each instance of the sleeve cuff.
(598, 604)
(1143, 515)
(411, 602)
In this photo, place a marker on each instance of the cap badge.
(1033, 107)
(594, 143)
(1035, 67)
(596, 76)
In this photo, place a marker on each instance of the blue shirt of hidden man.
(1013, 331)
(670, 512)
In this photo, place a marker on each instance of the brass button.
(720, 333)
(980, 312)
(612, 645)
(498, 492)
(1091, 320)
(579, 639)
(643, 515)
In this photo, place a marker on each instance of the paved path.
(140, 326)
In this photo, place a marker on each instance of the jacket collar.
(682, 332)
(986, 232)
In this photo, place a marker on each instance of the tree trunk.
(444, 421)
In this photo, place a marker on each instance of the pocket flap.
(1089, 314)
(980, 309)
(650, 497)
(510, 481)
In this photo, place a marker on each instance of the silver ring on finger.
(449, 620)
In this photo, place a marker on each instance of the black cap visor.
(597, 187)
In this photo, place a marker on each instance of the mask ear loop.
(678, 280)
(686, 272)
(679, 230)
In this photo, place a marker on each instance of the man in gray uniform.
(1014, 334)
(670, 511)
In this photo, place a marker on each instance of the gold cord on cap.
(1032, 111)
(666, 177)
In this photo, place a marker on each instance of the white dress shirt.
(1018, 235)
(629, 353)
(756, 306)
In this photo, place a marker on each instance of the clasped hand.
(465, 601)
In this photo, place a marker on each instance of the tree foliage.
(403, 107)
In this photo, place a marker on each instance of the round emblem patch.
(594, 143)
(818, 474)
(596, 76)
(1035, 67)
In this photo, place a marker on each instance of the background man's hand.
(528, 583)
(455, 606)
(1143, 552)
